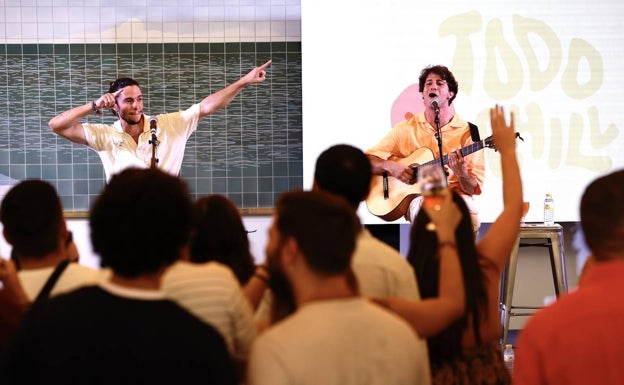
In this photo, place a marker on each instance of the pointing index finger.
(265, 65)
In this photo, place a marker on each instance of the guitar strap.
(474, 132)
(47, 288)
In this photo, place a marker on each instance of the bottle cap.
(508, 345)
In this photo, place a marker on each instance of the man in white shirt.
(333, 336)
(129, 142)
(32, 216)
(380, 269)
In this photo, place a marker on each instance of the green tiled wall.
(250, 151)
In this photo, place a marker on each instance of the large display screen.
(558, 66)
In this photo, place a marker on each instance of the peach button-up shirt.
(415, 133)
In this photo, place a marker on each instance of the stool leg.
(557, 260)
(509, 278)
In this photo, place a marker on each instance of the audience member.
(211, 292)
(124, 329)
(381, 271)
(220, 235)
(209, 285)
(334, 336)
(468, 350)
(13, 300)
(32, 216)
(578, 339)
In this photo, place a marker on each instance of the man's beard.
(131, 122)
(283, 298)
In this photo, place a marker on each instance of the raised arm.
(497, 243)
(223, 97)
(67, 124)
(432, 315)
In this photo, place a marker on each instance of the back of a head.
(602, 216)
(140, 221)
(32, 216)
(324, 225)
(344, 170)
(219, 234)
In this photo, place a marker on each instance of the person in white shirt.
(381, 270)
(329, 334)
(34, 225)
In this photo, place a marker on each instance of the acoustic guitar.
(389, 198)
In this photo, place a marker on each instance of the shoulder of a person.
(367, 244)
(458, 122)
(77, 267)
(206, 269)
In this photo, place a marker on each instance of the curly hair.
(141, 221)
(444, 73)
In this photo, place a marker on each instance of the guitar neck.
(469, 149)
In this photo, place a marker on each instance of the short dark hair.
(344, 170)
(141, 221)
(444, 73)
(32, 216)
(121, 83)
(324, 225)
(602, 215)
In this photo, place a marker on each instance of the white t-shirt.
(381, 270)
(342, 342)
(73, 277)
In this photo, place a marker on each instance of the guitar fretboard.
(469, 149)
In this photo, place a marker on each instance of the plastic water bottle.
(508, 356)
(549, 210)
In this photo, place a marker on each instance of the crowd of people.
(330, 304)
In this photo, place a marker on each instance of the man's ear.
(290, 251)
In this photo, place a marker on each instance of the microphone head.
(434, 103)
(153, 119)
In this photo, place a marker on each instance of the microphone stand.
(438, 136)
(154, 142)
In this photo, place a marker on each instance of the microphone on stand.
(153, 121)
(434, 104)
(154, 141)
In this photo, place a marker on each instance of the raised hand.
(503, 134)
(257, 75)
(107, 100)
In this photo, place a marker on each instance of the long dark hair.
(422, 255)
(220, 235)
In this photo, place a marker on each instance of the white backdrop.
(558, 66)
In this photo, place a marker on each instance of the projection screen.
(558, 66)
